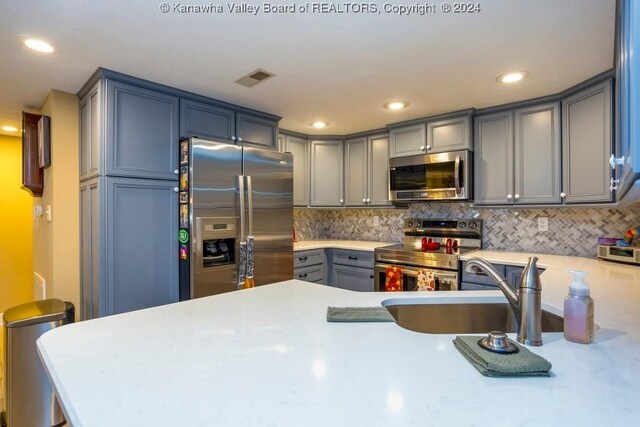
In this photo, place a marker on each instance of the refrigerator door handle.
(250, 283)
(242, 261)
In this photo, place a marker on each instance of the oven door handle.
(456, 172)
(414, 273)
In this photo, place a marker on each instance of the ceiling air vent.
(254, 77)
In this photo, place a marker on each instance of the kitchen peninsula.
(266, 356)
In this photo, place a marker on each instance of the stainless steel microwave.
(442, 176)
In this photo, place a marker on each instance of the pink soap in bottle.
(578, 311)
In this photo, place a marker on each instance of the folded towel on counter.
(358, 314)
(426, 280)
(524, 363)
(393, 279)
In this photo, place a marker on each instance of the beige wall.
(56, 248)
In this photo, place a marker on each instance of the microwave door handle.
(456, 172)
(242, 262)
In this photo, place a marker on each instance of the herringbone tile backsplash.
(572, 231)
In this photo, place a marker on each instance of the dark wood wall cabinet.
(32, 175)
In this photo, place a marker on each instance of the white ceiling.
(336, 67)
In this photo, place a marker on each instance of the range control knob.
(409, 223)
(473, 225)
(462, 225)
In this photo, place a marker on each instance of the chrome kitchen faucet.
(526, 304)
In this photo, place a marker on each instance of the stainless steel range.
(432, 245)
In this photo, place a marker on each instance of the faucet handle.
(530, 277)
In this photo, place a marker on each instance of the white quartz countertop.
(355, 245)
(267, 357)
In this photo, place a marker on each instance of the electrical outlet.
(376, 220)
(543, 223)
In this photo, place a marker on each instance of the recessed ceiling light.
(512, 77)
(38, 45)
(319, 125)
(9, 128)
(396, 105)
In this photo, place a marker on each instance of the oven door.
(446, 280)
(443, 176)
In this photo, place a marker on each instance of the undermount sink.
(464, 318)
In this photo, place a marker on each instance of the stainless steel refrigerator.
(236, 217)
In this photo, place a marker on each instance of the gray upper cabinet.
(408, 141)
(378, 164)
(90, 133)
(493, 158)
(202, 120)
(256, 131)
(586, 145)
(141, 132)
(327, 180)
(517, 156)
(449, 134)
(537, 154)
(366, 169)
(299, 148)
(356, 168)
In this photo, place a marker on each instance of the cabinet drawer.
(479, 277)
(353, 258)
(312, 273)
(354, 279)
(306, 258)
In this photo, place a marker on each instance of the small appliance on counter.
(620, 250)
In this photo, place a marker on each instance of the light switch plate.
(543, 223)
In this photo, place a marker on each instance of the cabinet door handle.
(175, 189)
(368, 200)
(341, 200)
(563, 195)
(233, 138)
(371, 276)
(613, 161)
(428, 147)
(302, 276)
(422, 147)
(354, 258)
(302, 258)
(239, 139)
(614, 184)
(517, 197)
(364, 200)
(176, 171)
(509, 197)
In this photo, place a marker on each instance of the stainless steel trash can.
(29, 394)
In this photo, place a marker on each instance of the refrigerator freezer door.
(271, 175)
(215, 216)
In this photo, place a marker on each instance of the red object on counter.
(424, 244)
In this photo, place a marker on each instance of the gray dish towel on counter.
(524, 363)
(358, 314)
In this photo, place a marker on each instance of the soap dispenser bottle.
(578, 311)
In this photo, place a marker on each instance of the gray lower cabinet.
(517, 156)
(449, 134)
(366, 171)
(479, 281)
(141, 132)
(407, 140)
(327, 173)
(129, 245)
(352, 270)
(309, 265)
(587, 145)
(209, 120)
(299, 148)
(352, 278)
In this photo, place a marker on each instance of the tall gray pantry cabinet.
(129, 136)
